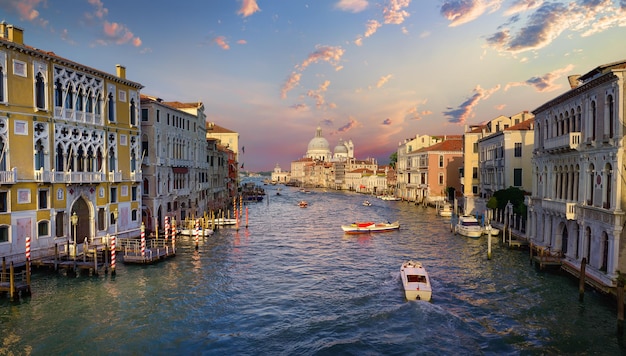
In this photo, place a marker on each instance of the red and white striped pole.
(113, 255)
(246, 217)
(167, 227)
(196, 232)
(143, 240)
(28, 250)
(174, 236)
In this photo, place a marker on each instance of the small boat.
(303, 204)
(415, 281)
(491, 230)
(445, 210)
(389, 197)
(367, 203)
(370, 226)
(468, 225)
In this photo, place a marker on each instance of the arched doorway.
(564, 239)
(80, 229)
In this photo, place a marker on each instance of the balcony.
(567, 209)
(8, 177)
(136, 176)
(115, 177)
(562, 143)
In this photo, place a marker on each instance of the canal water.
(293, 284)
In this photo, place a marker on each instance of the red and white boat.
(370, 226)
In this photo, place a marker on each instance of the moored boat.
(469, 226)
(367, 203)
(445, 210)
(193, 232)
(303, 204)
(370, 226)
(415, 281)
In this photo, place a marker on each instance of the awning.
(180, 169)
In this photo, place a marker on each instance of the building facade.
(407, 186)
(70, 157)
(576, 208)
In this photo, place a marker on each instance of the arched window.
(588, 244)
(146, 185)
(97, 104)
(89, 102)
(611, 114)
(69, 99)
(578, 118)
(99, 160)
(605, 251)
(3, 155)
(91, 162)
(39, 155)
(58, 94)
(111, 107)
(60, 161)
(608, 172)
(133, 113)
(80, 100)
(593, 120)
(40, 92)
(112, 160)
(80, 159)
(590, 185)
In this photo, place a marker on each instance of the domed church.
(319, 149)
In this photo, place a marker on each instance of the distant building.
(278, 176)
(437, 169)
(184, 173)
(406, 165)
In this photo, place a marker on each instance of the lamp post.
(74, 219)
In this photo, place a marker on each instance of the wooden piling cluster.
(149, 251)
(15, 283)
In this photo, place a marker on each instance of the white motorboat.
(445, 210)
(491, 230)
(370, 226)
(415, 281)
(469, 226)
(367, 203)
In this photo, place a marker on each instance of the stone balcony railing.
(566, 209)
(8, 177)
(566, 142)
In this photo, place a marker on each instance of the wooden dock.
(15, 283)
(92, 259)
(155, 250)
(543, 257)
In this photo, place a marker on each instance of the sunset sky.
(374, 72)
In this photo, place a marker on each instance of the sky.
(374, 72)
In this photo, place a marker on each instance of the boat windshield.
(413, 278)
(470, 223)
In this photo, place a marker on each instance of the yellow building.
(69, 144)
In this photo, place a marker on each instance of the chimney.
(121, 71)
(15, 34)
(573, 80)
(3, 29)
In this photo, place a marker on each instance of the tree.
(492, 203)
(393, 158)
(513, 195)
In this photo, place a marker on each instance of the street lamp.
(74, 219)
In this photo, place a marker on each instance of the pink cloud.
(119, 34)
(292, 81)
(546, 82)
(394, 13)
(465, 110)
(349, 126)
(221, 41)
(248, 7)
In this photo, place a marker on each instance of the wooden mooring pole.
(620, 305)
(581, 280)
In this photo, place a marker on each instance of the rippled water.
(294, 284)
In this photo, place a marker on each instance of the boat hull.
(418, 295)
(363, 228)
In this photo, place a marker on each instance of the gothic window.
(99, 160)
(2, 76)
(97, 104)
(133, 113)
(591, 182)
(58, 94)
(60, 160)
(89, 103)
(112, 160)
(39, 155)
(80, 100)
(69, 99)
(40, 92)
(3, 156)
(111, 107)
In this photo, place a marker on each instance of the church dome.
(318, 143)
(341, 148)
